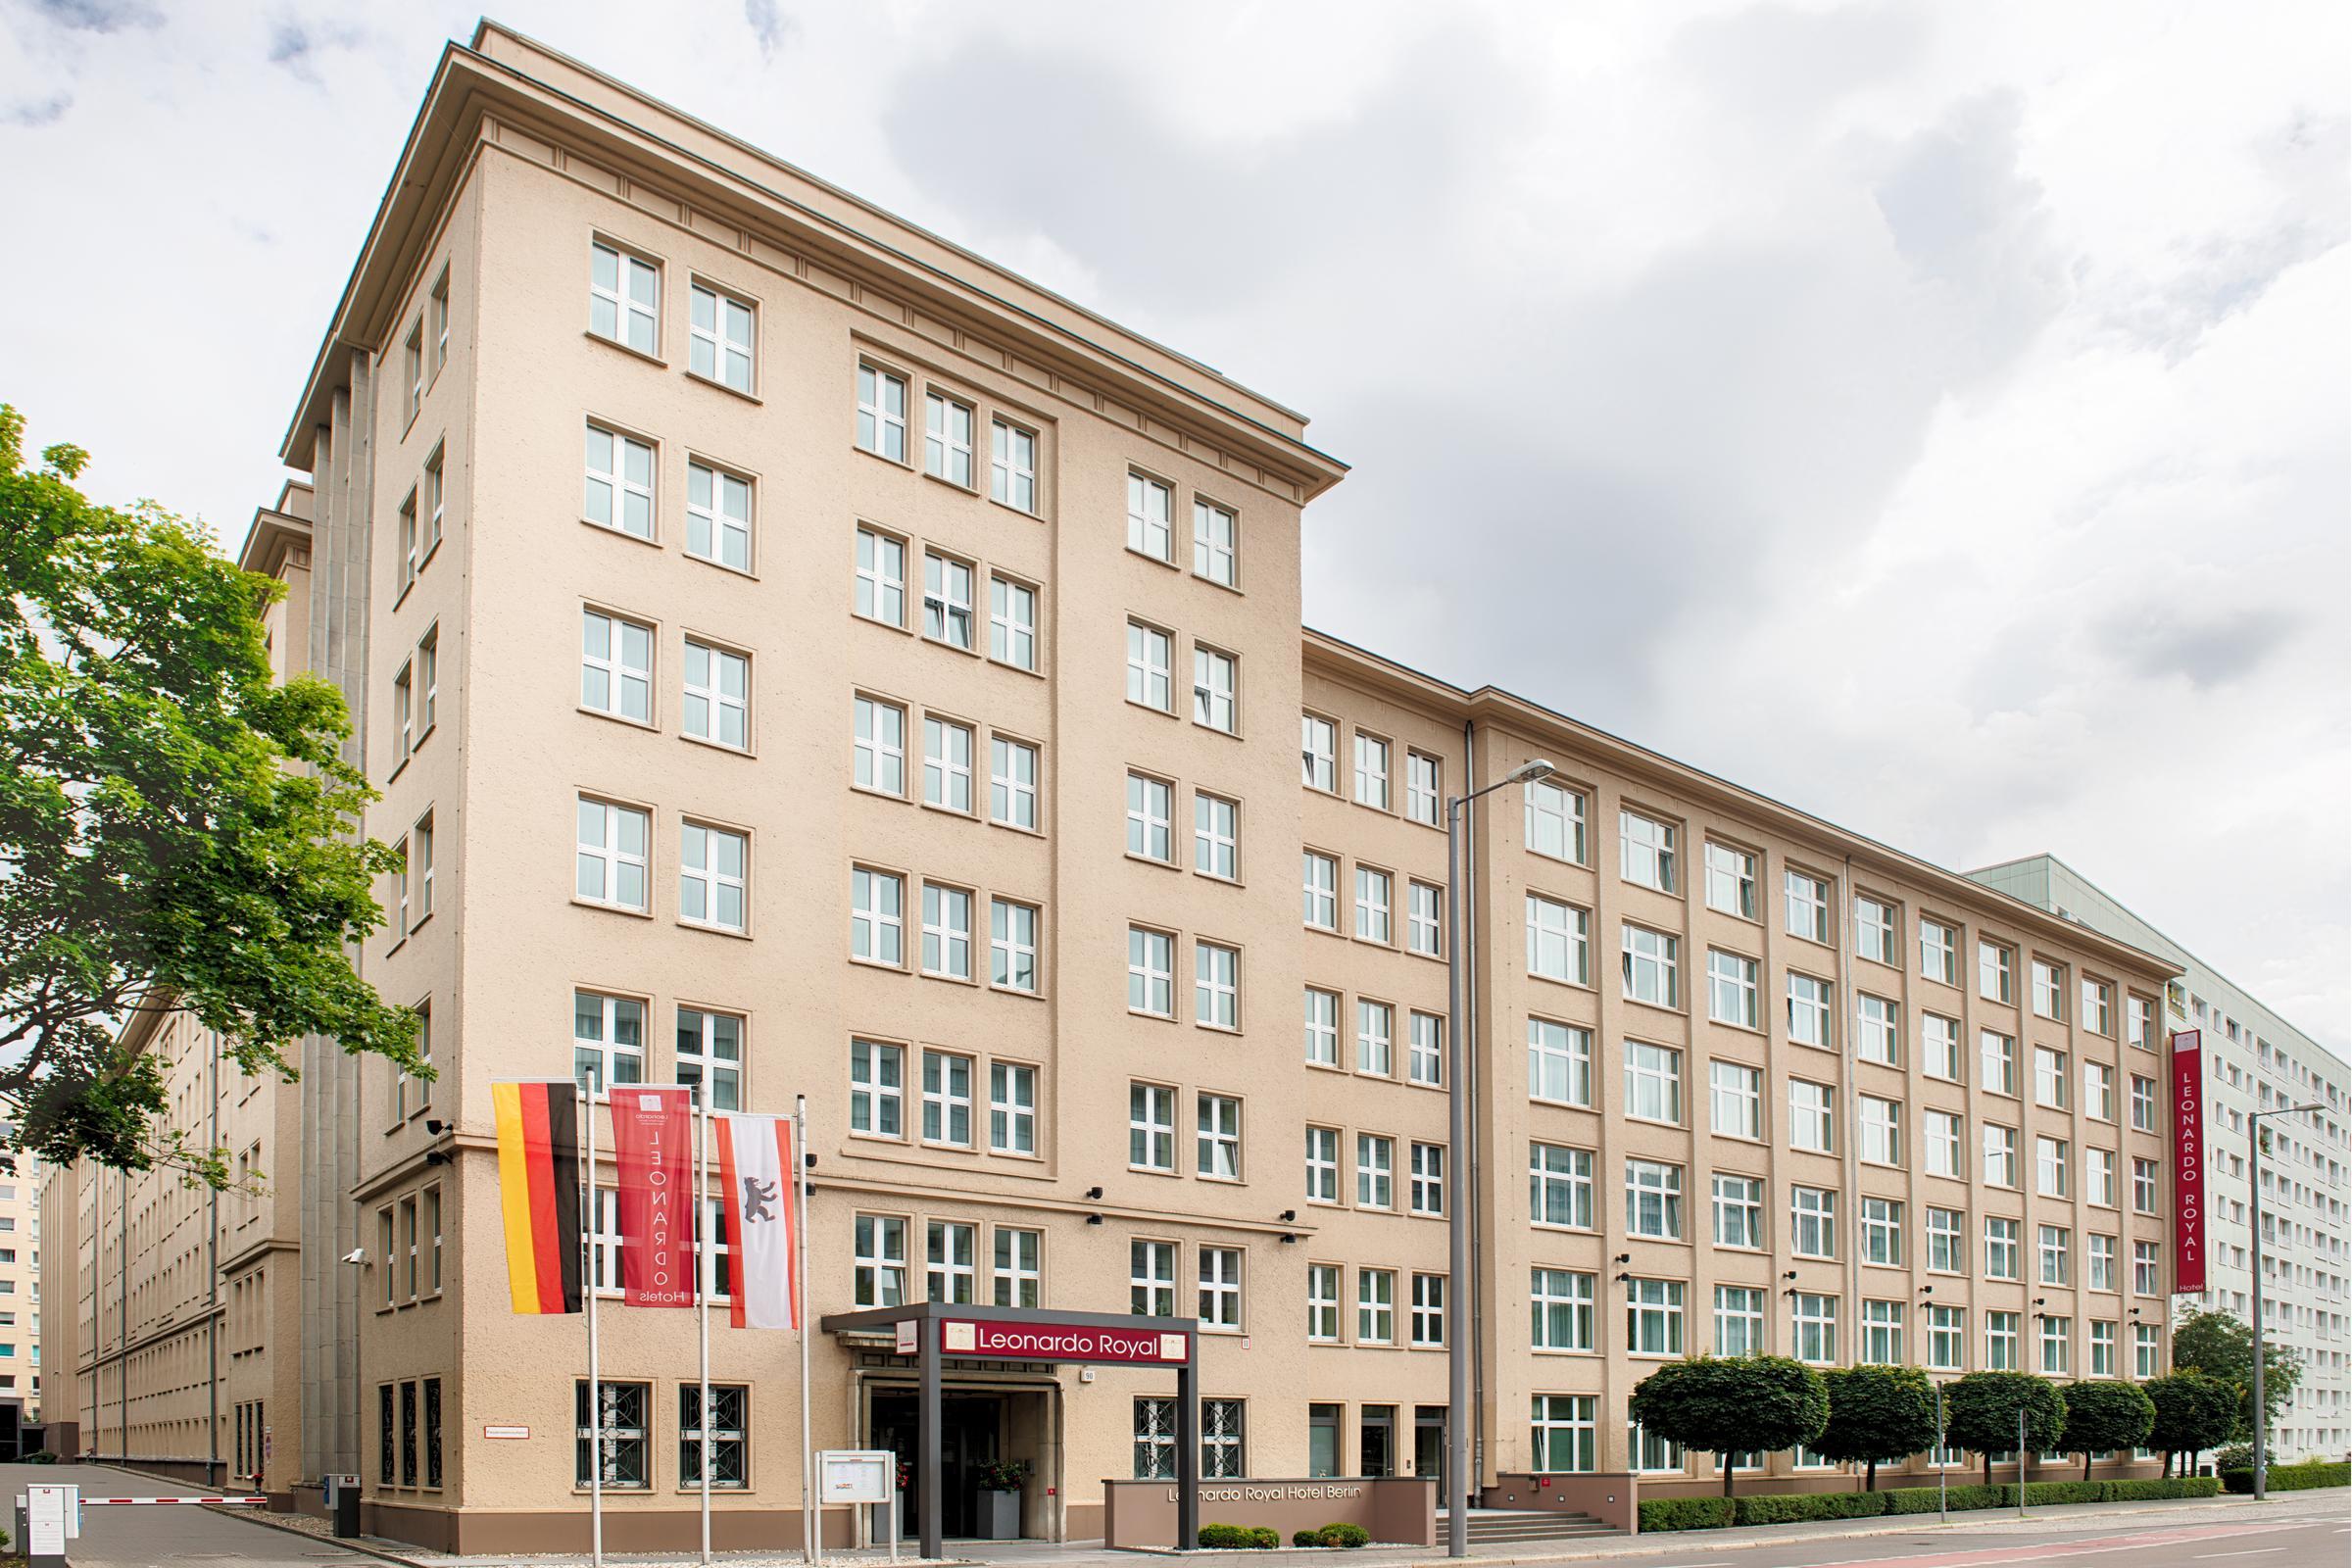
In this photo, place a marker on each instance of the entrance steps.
(1498, 1526)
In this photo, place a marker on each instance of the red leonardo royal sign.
(1012, 1341)
(2189, 1162)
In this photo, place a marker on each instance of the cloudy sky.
(1934, 415)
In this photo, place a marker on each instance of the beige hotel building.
(805, 658)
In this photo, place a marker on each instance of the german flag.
(539, 1190)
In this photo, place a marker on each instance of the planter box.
(999, 1516)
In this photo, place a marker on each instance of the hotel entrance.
(977, 1428)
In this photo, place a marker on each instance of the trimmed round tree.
(1877, 1413)
(1981, 1409)
(1729, 1404)
(2193, 1412)
(2104, 1415)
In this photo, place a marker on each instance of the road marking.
(2253, 1552)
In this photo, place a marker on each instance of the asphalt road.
(139, 1536)
(2307, 1542)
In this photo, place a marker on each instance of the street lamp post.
(1458, 1180)
(2262, 1414)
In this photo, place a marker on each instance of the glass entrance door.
(1429, 1446)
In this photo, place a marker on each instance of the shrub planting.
(1686, 1513)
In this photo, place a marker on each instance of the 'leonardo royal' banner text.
(653, 1131)
(2189, 1162)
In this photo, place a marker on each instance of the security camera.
(358, 1254)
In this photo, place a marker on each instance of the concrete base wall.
(461, 1532)
(1611, 1496)
(1398, 1509)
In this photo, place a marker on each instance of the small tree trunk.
(1728, 1472)
(2086, 1465)
(1870, 1477)
(1988, 1467)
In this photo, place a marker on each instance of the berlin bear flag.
(758, 1166)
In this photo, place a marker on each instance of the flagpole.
(812, 1535)
(596, 1386)
(703, 1270)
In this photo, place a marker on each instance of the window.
(2098, 1007)
(713, 865)
(1652, 967)
(947, 427)
(1731, 880)
(403, 712)
(881, 578)
(1561, 1433)
(624, 302)
(1809, 1010)
(1946, 1253)
(2000, 1154)
(2001, 1249)
(1996, 1062)
(1213, 544)
(1152, 1278)
(1013, 945)
(1653, 1317)
(611, 859)
(1881, 1122)
(1011, 1108)
(717, 695)
(877, 1092)
(1813, 1324)
(947, 765)
(420, 867)
(2000, 1341)
(1874, 929)
(2143, 1187)
(946, 1099)
(1812, 1222)
(2139, 1024)
(1318, 754)
(1216, 985)
(1220, 1311)
(952, 1271)
(1214, 676)
(1653, 1200)
(1428, 1183)
(1558, 944)
(718, 341)
(1939, 1047)
(1807, 901)
(1882, 1333)
(1425, 1054)
(1152, 1127)
(729, 1465)
(1731, 989)
(1323, 1306)
(1375, 1171)
(878, 753)
(1883, 1232)
(2143, 1351)
(1947, 1327)
(1559, 1186)
(1429, 1311)
(1736, 1099)
(1150, 657)
(1423, 929)
(882, 413)
(440, 320)
(2049, 991)
(2049, 1077)
(1371, 772)
(2102, 1348)
(1739, 1320)
(1217, 1137)
(1559, 1062)
(1372, 904)
(1996, 972)
(1812, 1116)
(1323, 1167)
(619, 486)
(2098, 1091)
(946, 932)
(1647, 852)
(2145, 1275)
(1423, 788)
(412, 368)
(1878, 1030)
(2143, 1103)
(1940, 952)
(947, 601)
(1322, 1028)
(612, 1443)
(616, 667)
(1154, 1430)
(2054, 1250)
(1151, 972)
(2057, 1344)
(1375, 1034)
(1012, 783)
(1011, 623)
(719, 517)
(1555, 822)
(2050, 1162)
(1739, 1211)
(1149, 506)
(1150, 808)
(711, 1051)
(878, 921)
(2100, 1262)
(1017, 1280)
(1653, 1082)
(1943, 1135)
(436, 495)
(1012, 466)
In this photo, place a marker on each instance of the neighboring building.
(802, 658)
(21, 1178)
(2255, 1060)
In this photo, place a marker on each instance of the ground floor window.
(614, 1439)
(1221, 1451)
(1322, 1441)
(1154, 1439)
(730, 1456)
(432, 1432)
(1653, 1454)
(1562, 1431)
(387, 1435)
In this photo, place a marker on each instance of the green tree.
(2221, 1346)
(1730, 1405)
(1876, 1413)
(2193, 1412)
(1979, 1413)
(176, 829)
(2103, 1415)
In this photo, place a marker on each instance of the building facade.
(799, 658)
(2255, 1060)
(22, 1177)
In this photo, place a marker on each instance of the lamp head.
(1529, 772)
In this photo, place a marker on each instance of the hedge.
(1789, 1507)
(1781, 1507)
(2176, 1487)
(2303, 1477)
(1686, 1513)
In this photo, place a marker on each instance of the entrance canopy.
(937, 1332)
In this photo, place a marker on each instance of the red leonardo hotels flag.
(539, 1192)
(652, 1132)
(2189, 1162)
(758, 1164)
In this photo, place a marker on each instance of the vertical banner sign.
(757, 1163)
(539, 1192)
(653, 1146)
(2189, 1162)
